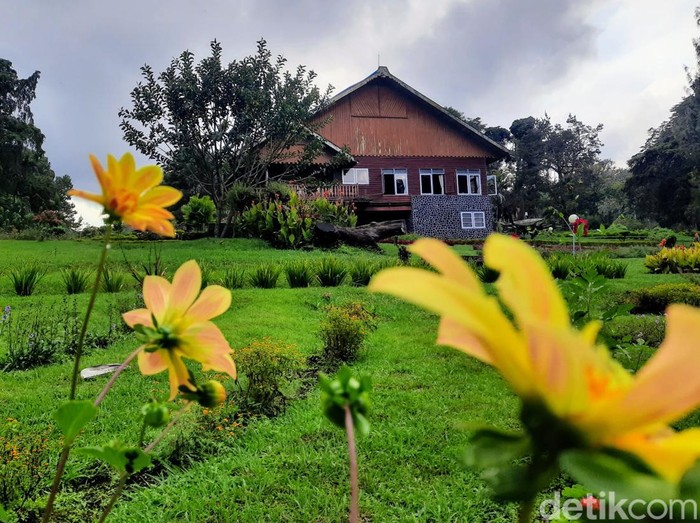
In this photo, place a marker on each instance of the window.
(395, 181)
(468, 181)
(491, 185)
(356, 176)
(473, 220)
(432, 181)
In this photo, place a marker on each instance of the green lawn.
(294, 467)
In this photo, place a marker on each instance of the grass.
(294, 467)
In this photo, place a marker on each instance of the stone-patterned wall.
(439, 215)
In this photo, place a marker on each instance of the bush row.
(566, 266)
(677, 260)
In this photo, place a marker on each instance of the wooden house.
(412, 159)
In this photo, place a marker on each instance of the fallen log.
(327, 234)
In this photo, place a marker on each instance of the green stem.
(88, 312)
(525, 512)
(76, 370)
(352, 453)
(114, 498)
(114, 377)
(56, 482)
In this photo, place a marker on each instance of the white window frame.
(398, 174)
(431, 173)
(356, 176)
(472, 223)
(495, 184)
(469, 173)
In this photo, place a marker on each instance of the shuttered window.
(473, 220)
(356, 176)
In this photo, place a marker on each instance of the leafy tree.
(211, 125)
(28, 185)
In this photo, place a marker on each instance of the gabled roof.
(383, 73)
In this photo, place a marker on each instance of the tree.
(211, 125)
(28, 185)
(665, 182)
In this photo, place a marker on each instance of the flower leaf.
(126, 460)
(72, 416)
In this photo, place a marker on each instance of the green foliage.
(567, 266)
(75, 280)
(361, 272)
(123, 459)
(581, 294)
(234, 278)
(677, 260)
(290, 224)
(343, 332)
(265, 276)
(637, 328)
(199, 212)
(153, 266)
(112, 280)
(246, 103)
(72, 416)
(28, 185)
(299, 274)
(25, 279)
(207, 274)
(485, 274)
(330, 272)
(268, 365)
(346, 391)
(655, 300)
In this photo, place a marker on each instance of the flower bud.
(155, 414)
(211, 394)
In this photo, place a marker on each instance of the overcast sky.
(616, 62)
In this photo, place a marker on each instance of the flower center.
(122, 202)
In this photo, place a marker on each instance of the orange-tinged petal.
(214, 301)
(97, 198)
(186, 285)
(138, 317)
(161, 196)
(477, 313)
(178, 375)
(156, 293)
(668, 386)
(127, 166)
(446, 260)
(671, 454)
(206, 344)
(102, 177)
(146, 178)
(153, 362)
(114, 172)
(525, 285)
(452, 334)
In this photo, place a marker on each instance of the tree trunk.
(327, 234)
(217, 225)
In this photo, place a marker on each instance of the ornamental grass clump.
(234, 278)
(299, 274)
(75, 281)
(265, 276)
(361, 272)
(331, 272)
(113, 280)
(25, 279)
(581, 411)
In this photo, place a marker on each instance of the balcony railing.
(332, 192)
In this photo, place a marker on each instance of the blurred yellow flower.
(547, 362)
(175, 324)
(132, 195)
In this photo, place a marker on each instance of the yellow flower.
(548, 362)
(182, 328)
(133, 196)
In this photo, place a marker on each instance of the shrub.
(265, 276)
(75, 280)
(484, 273)
(32, 339)
(361, 272)
(199, 212)
(207, 274)
(25, 279)
(566, 266)
(331, 272)
(677, 260)
(299, 274)
(153, 267)
(290, 224)
(113, 281)
(646, 329)
(654, 300)
(234, 278)
(343, 333)
(268, 366)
